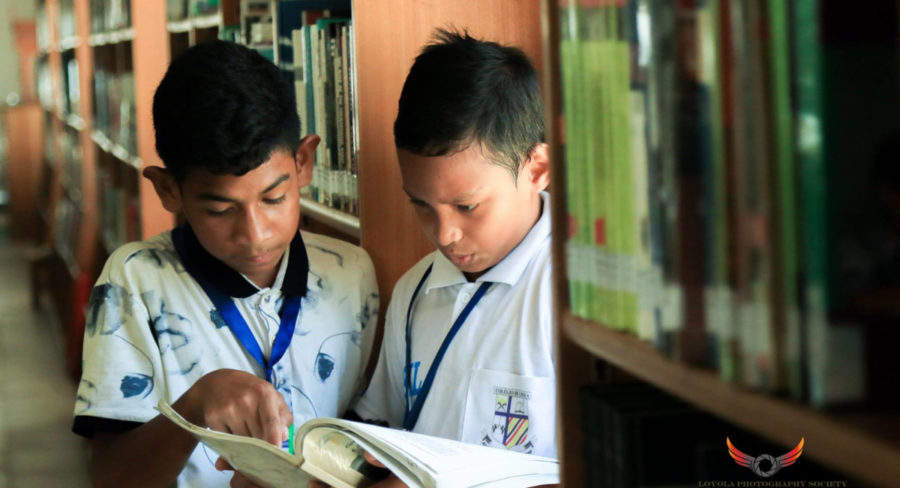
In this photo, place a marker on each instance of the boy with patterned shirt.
(468, 351)
(240, 321)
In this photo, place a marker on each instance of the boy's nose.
(254, 227)
(447, 231)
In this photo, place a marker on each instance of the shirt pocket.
(511, 411)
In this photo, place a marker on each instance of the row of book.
(114, 107)
(66, 228)
(72, 160)
(67, 101)
(109, 15)
(66, 19)
(706, 188)
(120, 216)
(257, 29)
(182, 9)
(44, 83)
(71, 103)
(325, 84)
(316, 51)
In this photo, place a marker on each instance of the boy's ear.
(166, 187)
(305, 157)
(537, 168)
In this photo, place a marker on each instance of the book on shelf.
(110, 15)
(176, 10)
(291, 15)
(324, 84)
(332, 450)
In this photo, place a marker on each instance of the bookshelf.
(858, 440)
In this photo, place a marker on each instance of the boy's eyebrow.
(271, 187)
(410, 195)
(459, 198)
(220, 198)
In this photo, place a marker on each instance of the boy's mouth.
(460, 260)
(260, 258)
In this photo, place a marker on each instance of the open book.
(331, 450)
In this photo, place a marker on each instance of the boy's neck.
(265, 279)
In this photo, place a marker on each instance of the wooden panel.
(24, 132)
(387, 41)
(829, 440)
(150, 60)
(26, 47)
(87, 243)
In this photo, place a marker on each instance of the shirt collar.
(509, 269)
(200, 263)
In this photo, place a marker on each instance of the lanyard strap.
(235, 321)
(412, 413)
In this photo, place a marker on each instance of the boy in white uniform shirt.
(238, 320)
(468, 351)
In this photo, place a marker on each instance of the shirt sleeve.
(383, 400)
(121, 370)
(368, 317)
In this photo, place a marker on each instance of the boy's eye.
(467, 208)
(275, 201)
(418, 203)
(218, 213)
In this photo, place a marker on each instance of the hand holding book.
(333, 450)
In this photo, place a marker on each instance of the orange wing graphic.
(739, 457)
(791, 456)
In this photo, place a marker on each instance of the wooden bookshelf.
(341, 221)
(861, 444)
(831, 439)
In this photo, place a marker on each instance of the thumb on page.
(223, 465)
(371, 460)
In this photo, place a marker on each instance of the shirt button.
(268, 298)
(465, 297)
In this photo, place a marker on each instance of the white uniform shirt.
(152, 332)
(496, 385)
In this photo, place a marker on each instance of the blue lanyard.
(412, 413)
(235, 321)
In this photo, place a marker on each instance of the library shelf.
(75, 121)
(178, 26)
(112, 37)
(116, 150)
(854, 445)
(206, 21)
(341, 221)
(67, 43)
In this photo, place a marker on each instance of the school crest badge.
(510, 425)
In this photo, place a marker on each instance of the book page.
(266, 464)
(333, 457)
(427, 461)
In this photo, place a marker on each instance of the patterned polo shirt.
(151, 332)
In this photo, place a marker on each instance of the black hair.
(224, 108)
(462, 90)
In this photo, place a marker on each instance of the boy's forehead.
(457, 175)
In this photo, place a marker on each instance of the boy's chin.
(474, 270)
